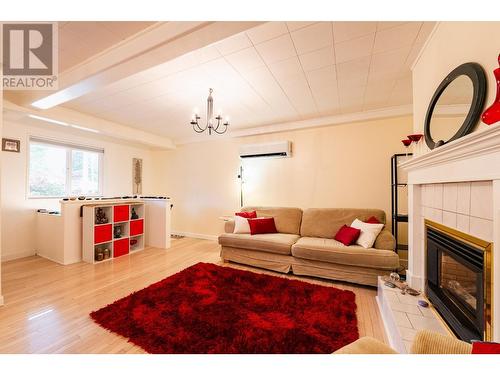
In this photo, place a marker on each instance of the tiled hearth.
(403, 317)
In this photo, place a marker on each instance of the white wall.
(337, 166)
(18, 212)
(453, 44)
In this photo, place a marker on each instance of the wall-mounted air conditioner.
(282, 149)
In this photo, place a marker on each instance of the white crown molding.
(397, 111)
(473, 157)
(424, 47)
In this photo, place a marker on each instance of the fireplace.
(459, 280)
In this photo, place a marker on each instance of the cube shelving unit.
(101, 236)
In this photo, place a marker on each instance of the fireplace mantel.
(474, 157)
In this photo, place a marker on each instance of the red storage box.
(120, 247)
(120, 213)
(103, 233)
(136, 227)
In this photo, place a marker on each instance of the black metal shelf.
(396, 216)
(401, 218)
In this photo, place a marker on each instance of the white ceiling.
(276, 72)
(80, 40)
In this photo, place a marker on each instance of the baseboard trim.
(24, 254)
(209, 237)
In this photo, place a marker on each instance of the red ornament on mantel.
(492, 113)
(415, 137)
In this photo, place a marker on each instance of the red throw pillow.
(262, 225)
(373, 220)
(247, 214)
(347, 235)
(481, 347)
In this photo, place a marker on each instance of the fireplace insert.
(458, 280)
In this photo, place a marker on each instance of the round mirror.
(456, 105)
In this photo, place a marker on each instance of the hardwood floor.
(47, 305)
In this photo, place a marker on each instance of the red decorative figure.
(492, 113)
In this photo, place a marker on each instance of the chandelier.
(213, 123)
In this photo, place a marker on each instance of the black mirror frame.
(476, 73)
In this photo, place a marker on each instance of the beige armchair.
(425, 342)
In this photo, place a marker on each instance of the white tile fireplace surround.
(457, 185)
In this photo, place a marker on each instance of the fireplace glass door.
(460, 283)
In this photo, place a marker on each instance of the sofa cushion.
(287, 219)
(347, 235)
(241, 225)
(247, 214)
(277, 243)
(262, 225)
(323, 222)
(331, 251)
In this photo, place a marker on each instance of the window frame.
(68, 147)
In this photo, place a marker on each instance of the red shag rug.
(211, 309)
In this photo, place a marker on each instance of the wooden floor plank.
(47, 305)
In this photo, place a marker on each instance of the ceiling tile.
(389, 24)
(205, 54)
(287, 69)
(267, 31)
(354, 49)
(233, 44)
(276, 49)
(348, 30)
(412, 56)
(313, 37)
(388, 65)
(318, 59)
(292, 26)
(396, 37)
(424, 32)
(351, 99)
(327, 100)
(245, 59)
(353, 73)
(402, 93)
(379, 92)
(391, 61)
(322, 77)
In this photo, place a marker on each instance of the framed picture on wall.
(137, 176)
(11, 145)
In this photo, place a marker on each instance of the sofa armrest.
(385, 241)
(229, 226)
(427, 342)
(366, 345)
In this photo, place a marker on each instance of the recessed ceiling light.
(46, 119)
(84, 128)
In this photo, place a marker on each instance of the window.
(59, 170)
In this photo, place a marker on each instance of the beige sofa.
(305, 245)
(425, 342)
